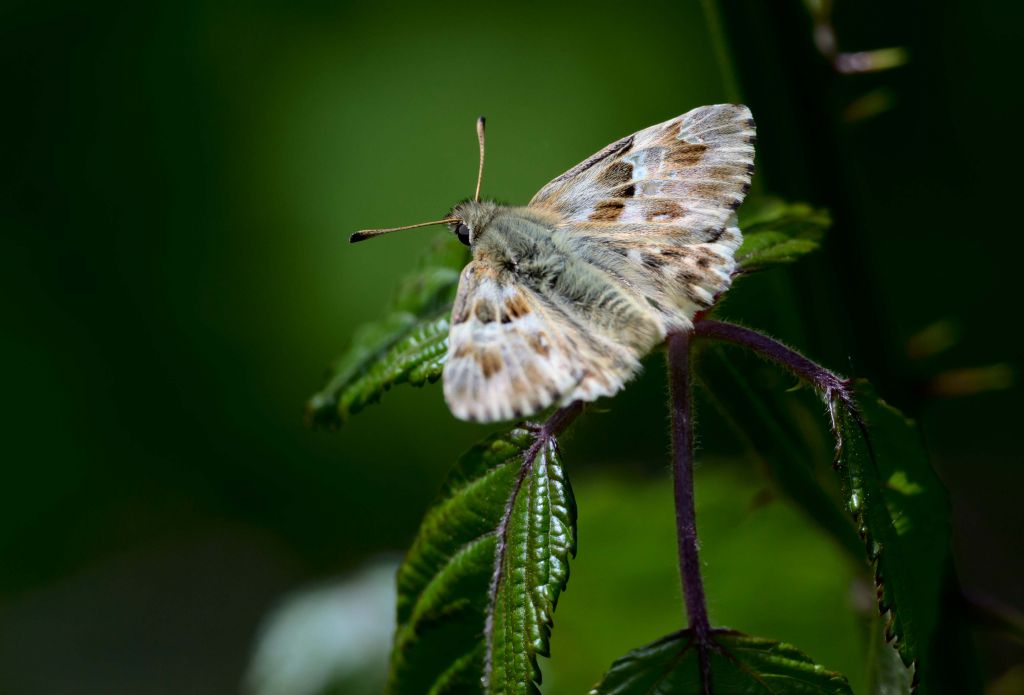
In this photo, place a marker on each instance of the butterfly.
(566, 294)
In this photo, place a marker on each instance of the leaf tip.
(320, 411)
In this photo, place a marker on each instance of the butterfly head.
(469, 218)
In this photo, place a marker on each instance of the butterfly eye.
(462, 231)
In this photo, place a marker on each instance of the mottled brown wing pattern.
(657, 209)
(511, 353)
(689, 174)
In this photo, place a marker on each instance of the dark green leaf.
(776, 232)
(739, 664)
(406, 346)
(902, 513)
(886, 673)
(484, 574)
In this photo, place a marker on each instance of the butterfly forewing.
(657, 208)
(689, 173)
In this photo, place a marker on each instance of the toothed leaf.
(902, 513)
(776, 232)
(408, 345)
(739, 664)
(481, 581)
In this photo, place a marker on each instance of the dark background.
(179, 179)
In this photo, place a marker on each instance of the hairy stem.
(769, 348)
(834, 389)
(686, 515)
(542, 436)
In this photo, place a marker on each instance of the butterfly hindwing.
(512, 354)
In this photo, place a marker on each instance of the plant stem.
(769, 348)
(686, 515)
(834, 389)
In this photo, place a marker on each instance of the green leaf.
(478, 588)
(902, 513)
(408, 345)
(776, 232)
(739, 664)
(886, 673)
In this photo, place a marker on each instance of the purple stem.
(686, 514)
(834, 389)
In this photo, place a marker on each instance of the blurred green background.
(179, 179)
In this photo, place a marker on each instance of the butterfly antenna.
(480, 136)
(363, 234)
